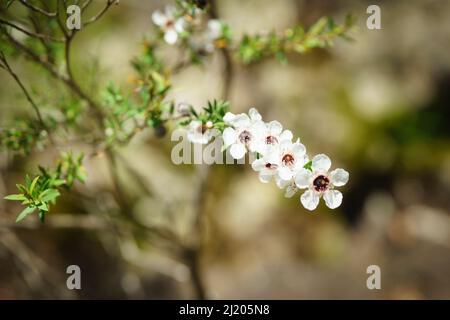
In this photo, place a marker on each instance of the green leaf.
(21, 188)
(27, 211)
(308, 166)
(43, 207)
(8, 3)
(27, 181)
(49, 195)
(33, 184)
(15, 197)
(58, 182)
(318, 27)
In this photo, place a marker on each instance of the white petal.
(241, 120)
(254, 115)
(159, 18)
(310, 199)
(258, 164)
(260, 147)
(170, 11)
(228, 117)
(286, 135)
(285, 173)
(194, 124)
(285, 145)
(179, 25)
(339, 177)
(333, 198)
(171, 36)
(229, 136)
(290, 191)
(275, 128)
(299, 150)
(238, 150)
(303, 178)
(214, 29)
(259, 128)
(321, 163)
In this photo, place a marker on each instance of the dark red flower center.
(170, 23)
(288, 159)
(271, 166)
(271, 140)
(245, 137)
(321, 183)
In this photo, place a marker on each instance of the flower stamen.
(321, 183)
(288, 159)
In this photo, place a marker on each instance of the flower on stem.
(292, 157)
(319, 182)
(213, 34)
(199, 132)
(169, 23)
(244, 132)
(267, 166)
(272, 136)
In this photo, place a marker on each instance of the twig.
(27, 95)
(109, 3)
(193, 254)
(30, 33)
(37, 9)
(85, 5)
(45, 42)
(69, 82)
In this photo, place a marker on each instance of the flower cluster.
(278, 157)
(190, 27)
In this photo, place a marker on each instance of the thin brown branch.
(44, 42)
(193, 253)
(27, 95)
(30, 33)
(68, 81)
(85, 5)
(109, 3)
(37, 9)
(58, 20)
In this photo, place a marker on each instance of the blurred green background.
(378, 106)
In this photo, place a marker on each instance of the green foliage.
(308, 166)
(114, 115)
(320, 35)
(23, 137)
(213, 112)
(42, 191)
(36, 194)
(127, 114)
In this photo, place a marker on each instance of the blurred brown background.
(378, 106)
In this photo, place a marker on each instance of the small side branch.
(37, 9)
(7, 67)
(109, 3)
(30, 33)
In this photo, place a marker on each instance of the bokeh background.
(378, 106)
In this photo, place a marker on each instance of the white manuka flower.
(212, 33)
(292, 157)
(321, 183)
(272, 136)
(267, 166)
(244, 133)
(197, 132)
(169, 24)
